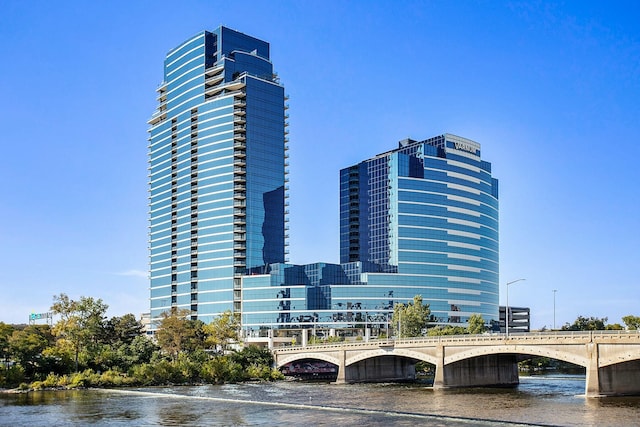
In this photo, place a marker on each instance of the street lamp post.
(554, 308)
(366, 327)
(506, 312)
(387, 325)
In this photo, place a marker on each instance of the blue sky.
(549, 89)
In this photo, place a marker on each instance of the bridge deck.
(610, 357)
(574, 337)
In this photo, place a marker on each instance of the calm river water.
(536, 401)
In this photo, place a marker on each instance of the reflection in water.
(177, 413)
(538, 401)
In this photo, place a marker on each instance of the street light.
(506, 312)
(366, 326)
(554, 308)
(387, 325)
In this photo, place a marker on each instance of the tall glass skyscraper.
(217, 173)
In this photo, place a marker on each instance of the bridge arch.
(619, 357)
(399, 352)
(301, 356)
(542, 351)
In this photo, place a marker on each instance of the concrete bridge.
(611, 358)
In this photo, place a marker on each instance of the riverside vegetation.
(85, 349)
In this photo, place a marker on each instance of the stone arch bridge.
(611, 358)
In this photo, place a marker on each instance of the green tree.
(586, 324)
(222, 331)
(446, 330)
(614, 327)
(122, 330)
(81, 323)
(112, 348)
(476, 324)
(253, 355)
(5, 333)
(61, 356)
(140, 350)
(177, 333)
(26, 346)
(411, 318)
(632, 322)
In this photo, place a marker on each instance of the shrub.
(214, 370)
(276, 375)
(258, 372)
(78, 380)
(115, 378)
(143, 374)
(51, 381)
(63, 381)
(187, 369)
(12, 376)
(159, 373)
(221, 369)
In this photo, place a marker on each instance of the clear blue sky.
(550, 90)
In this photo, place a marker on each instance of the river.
(548, 400)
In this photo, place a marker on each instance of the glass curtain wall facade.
(427, 212)
(217, 173)
(418, 220)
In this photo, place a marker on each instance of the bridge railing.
(578, 336)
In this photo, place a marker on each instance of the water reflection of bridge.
(611, 358)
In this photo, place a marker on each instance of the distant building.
(519, 319)
(145, 321)
(217, 173)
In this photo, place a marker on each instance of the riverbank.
(216, 370)
(198, 367)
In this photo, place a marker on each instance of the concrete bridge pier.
(342, 361)
(500, 370)
(378, 369)
(592, 386)
(618, 379)
(381, 369)
(438, 379)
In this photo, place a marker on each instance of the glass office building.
(419, 220)
(427, 212)
(217, 173)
